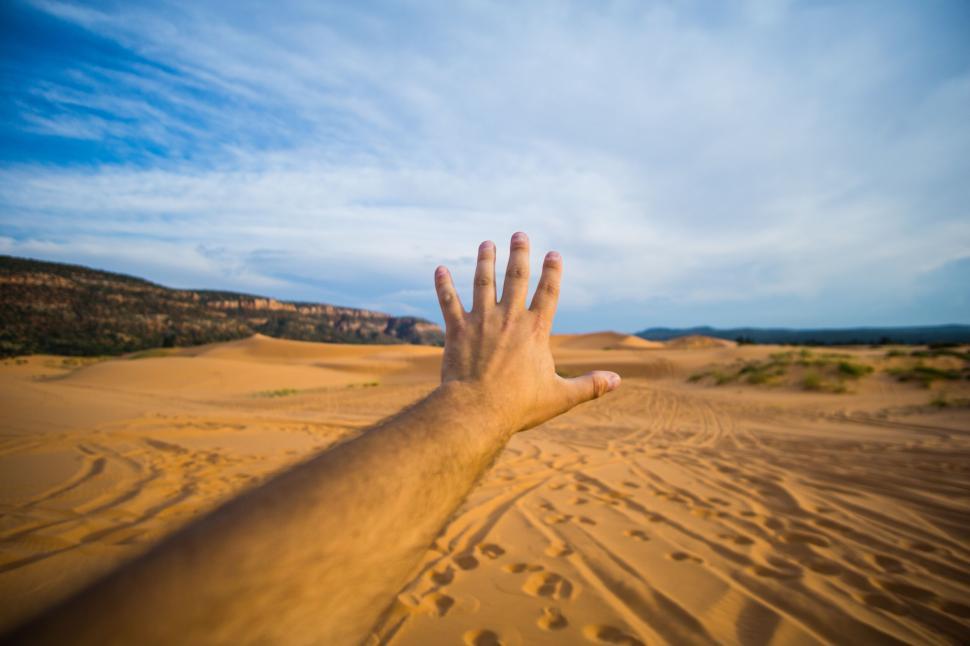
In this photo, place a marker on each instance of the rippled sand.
(666, 512)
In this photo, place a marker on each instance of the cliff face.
(68, 309)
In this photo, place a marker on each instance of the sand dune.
(602, 341)
(669, 512)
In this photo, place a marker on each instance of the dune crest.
(602, 341)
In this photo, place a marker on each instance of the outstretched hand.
(500, 349)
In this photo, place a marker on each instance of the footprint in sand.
(491, 550)
(637, 534)
(436, 604)
(442, 577)
(482, 637)
(552, 619)
(555, 519)
(737, 539)
(558, 548)
(907, 590)
(602, 634)
(823, 566)
(834, 526)
(578, 500)
(585, 520)
(516, 568)
(465, 561)
(548, 584)
(883, 602)
(778, 568)
(684, 556)
(888, 563)
(805, 537)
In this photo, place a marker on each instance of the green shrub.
(759, 377)
(924, 374)
(854, 370)
(940, 400)
(812, 381)
(721, 378)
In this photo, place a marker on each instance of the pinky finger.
(448, 299)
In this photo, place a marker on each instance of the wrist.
(476, 410)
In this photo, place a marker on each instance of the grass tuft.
(812, 381)
(854, 370)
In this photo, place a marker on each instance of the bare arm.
(316, 554)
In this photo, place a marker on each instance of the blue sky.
(745, 163)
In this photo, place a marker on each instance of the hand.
(500, 350)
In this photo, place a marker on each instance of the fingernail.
(518, 236)
(440, 271)
(613, 382)
(487, 245)
(553, 256)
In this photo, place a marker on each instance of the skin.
(316, 554)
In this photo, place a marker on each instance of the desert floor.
(667, 512)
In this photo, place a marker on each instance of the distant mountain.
(917, 335)
(69, 309)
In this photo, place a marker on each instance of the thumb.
(591, 385)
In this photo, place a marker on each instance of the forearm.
(312, 556)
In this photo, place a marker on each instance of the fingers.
(517, 273)
(547, 292)
(484, 298)
(590, 386)
(448, 299)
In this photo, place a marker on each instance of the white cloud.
(778, 153)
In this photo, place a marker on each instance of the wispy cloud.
(749, 166)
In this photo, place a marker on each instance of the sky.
(796, 164)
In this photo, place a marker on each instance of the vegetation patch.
(813, 371)
(69, 363)
(279, 392)
(15, 361)
(932, 352)
(854, 370)
(943, 400)
(368, 384)
(924, 366)
(925, 375)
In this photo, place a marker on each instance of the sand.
(668, 512)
